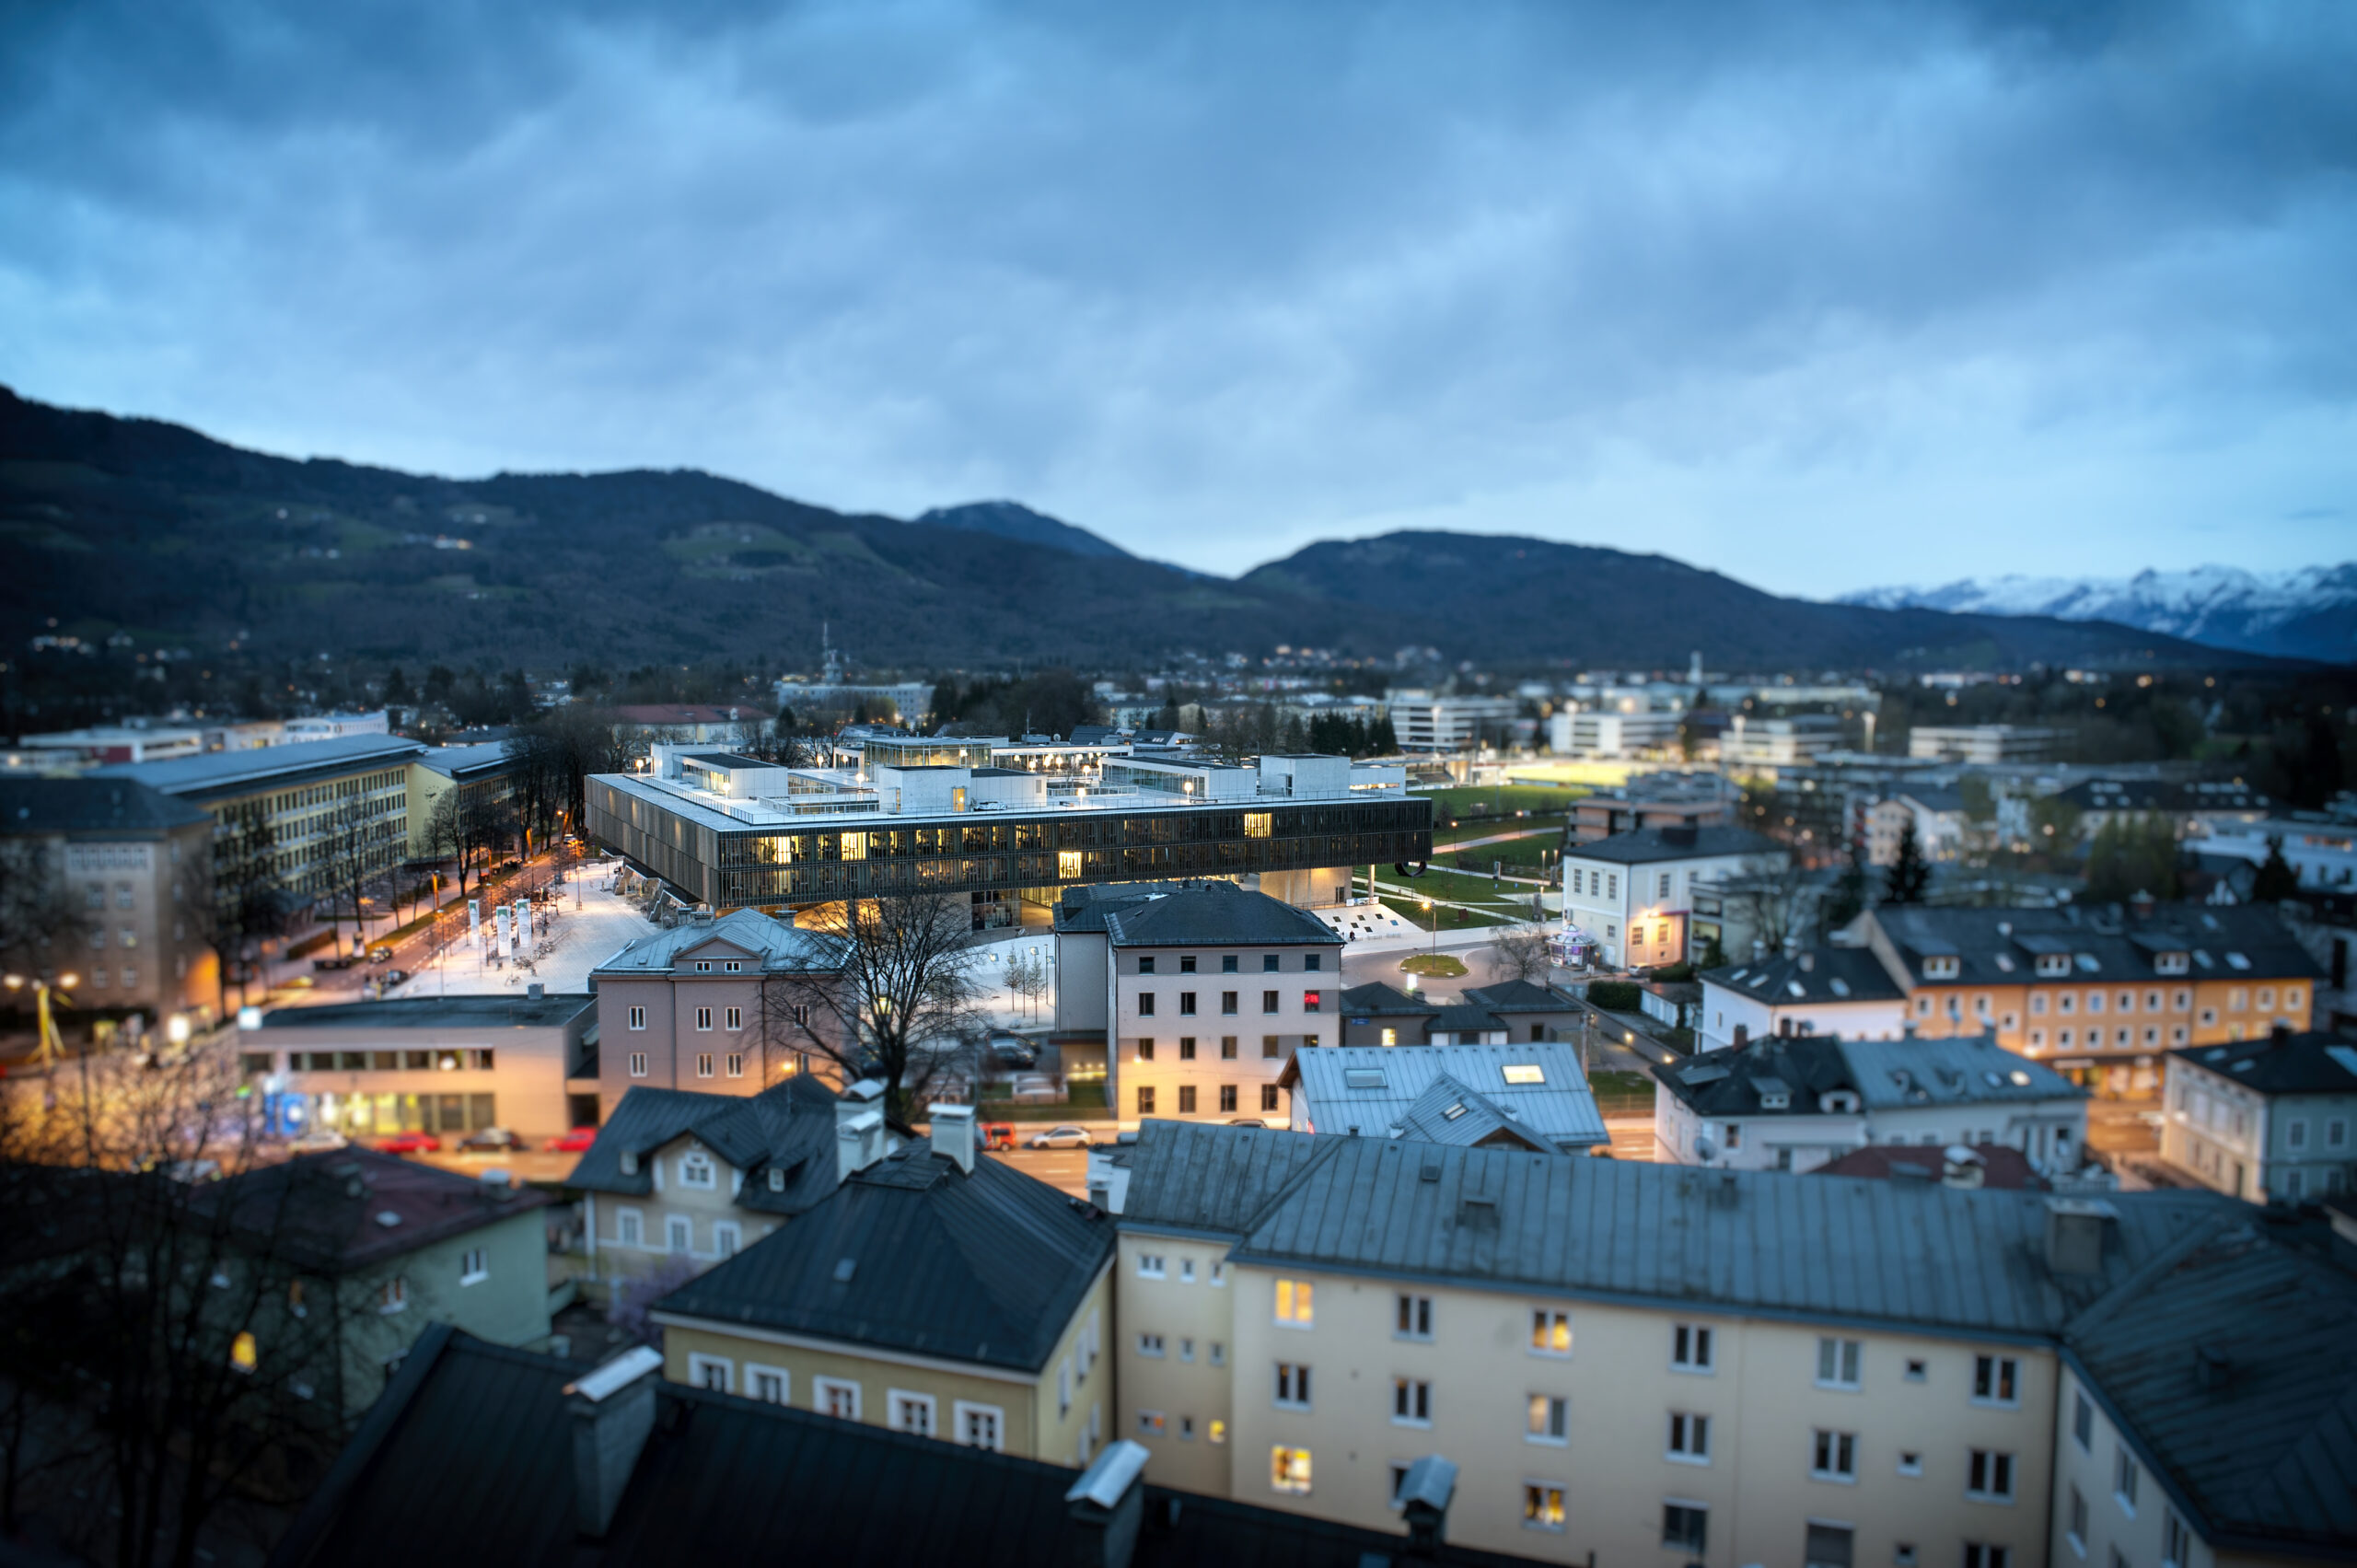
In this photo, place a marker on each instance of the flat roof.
(435, 1012)
(225, 770)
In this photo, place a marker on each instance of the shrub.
(1613, 995)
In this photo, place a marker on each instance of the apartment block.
(2265, 1119)
(1982, 745)
(1631, 897)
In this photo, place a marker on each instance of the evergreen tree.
(397, 690)
(1910, 876)
(2276, 880)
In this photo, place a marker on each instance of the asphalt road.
(1066, 1169)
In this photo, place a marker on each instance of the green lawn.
(1621, 1094)
(1502, 800)
(1444, 966)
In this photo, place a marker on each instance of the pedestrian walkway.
(585, 927)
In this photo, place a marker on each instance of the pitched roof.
(1729, 1083)
(790, 1126)
(1964, 1070)
(781, 947)
(328, 1211)
(2227, 1361)
(2001, 1164)
(1996, 946)
(916, 1255)
(1448, 1112)
(468, 1458)
(1641, 845)
(2158, 795)
(1519, 996)
(222, 772)
(1217, 914)
(1865, 1251)
(1375, 999)
(1370, 1088)
(452, 761)
(2297, 1065)
(693, 712)
(1191, 1176)
(91, 808)
(1819, 975)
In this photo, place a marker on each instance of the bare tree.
(1772, 896)
(243, 902)
(34, 912)
(1523, 954)
(905, 1005)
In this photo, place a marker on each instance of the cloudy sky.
(1823, 295)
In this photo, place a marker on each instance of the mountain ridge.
(2306, 612)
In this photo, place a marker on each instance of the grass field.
(1444, 966)
(1621, 1094)
(1493, 801)
(1486, 903)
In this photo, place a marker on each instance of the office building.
(1425, 722)
(1793, 742)
(483, 777)
(1656, 800)
(1981, 745)
(1608, 735)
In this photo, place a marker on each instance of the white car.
(317, 1141)
(1061, 1138)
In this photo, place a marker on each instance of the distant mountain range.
(2310, 613)
(112, 524)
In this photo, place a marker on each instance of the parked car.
(1011, 1050)
(1064, 1137)
(410, 1143)
(380, 954)
(998, 1134)
(491, 1138)
(394, 977)
(317, 1141)
(339, 961)
(574, 1143)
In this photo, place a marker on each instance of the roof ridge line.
(2108, 1304)
(1319, 1158)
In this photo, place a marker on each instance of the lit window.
(1549, 1419)
(1295, 1303)
(393, 1294)
(1524, 1072)
(1289, 1469)
(243, 1357)
(1551, 1332)
(1542, 1506)
(1257, 825)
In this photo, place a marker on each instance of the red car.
(998, 1134)
(410, 1143)
(573, 1143)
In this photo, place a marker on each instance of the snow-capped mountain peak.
(2307, 613)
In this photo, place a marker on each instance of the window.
(1547, 1419)
(703, 965)
(626, 1227)
(1145, 1048)
(1064, 1384)
(2295, 1133)
(1411, 1401)
(1219, 1274)
(1911, 1462)
(2124, 1481)
(1145, 1004)
(980, 1427)
(912, 1413)
(1186, 1048)
(1837, 1363)
(696, 1170)
(1146, 964)
(244, 1356)
(726, 1238)
(1995, 1380)
(638, 1018)
(474, 1266)
(1227, 1097)
(1689, 1437)
(835, 1396)
(2076, 1525)
(1687, 1526)
(1187, 964)
(1268, 963)
(1414, 1320)
(1186, 1350)
(1146, 1100)
(733, 1062)
(1186, 1100)
(1267, 1097)
(733, 1018)
(1543, 1505)
(1918, 1370)
(1551, 1332)
(1152, 1344)
(1295, 1303)
(1989, 1477)
(710, 1372)
(393, 1294)
(1227, 964)
(1219, 1353)
(2174, 1538)
(1152, 1266)
(1689, 1347)
(704, 1018)
(1187, 1004)
(2083, 1423)
(1289, 1469)
(704, 1066)
(1834, 1456)
(1293, 1386)
(679, 1234)
(1979, 1554)
(1523, 1073)
(1269, 1001)
(771, 1385)
(1228, 1046)
(638, 1064)
(733, 966)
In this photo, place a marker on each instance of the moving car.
(380, 954)
(1064, 1137)
(410, 1143)
(317, 1141)
(998, 1134)
(491, 1138)
(574, 1143)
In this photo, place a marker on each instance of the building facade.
(483, 778)
(1819, 990)
(1632, 895)
(2268, 1120)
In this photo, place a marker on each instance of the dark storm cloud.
(1823, 294)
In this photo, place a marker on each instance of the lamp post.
(51, 1047)
(1433, 920)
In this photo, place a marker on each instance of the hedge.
(1614, 995)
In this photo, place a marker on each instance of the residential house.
(445, 1064)
(1631, 895)
(1883, 1388)
(2322, 854)
(1169, 972)
(2265, 1119)
(2099, 993)
(481, 1454)
(131, 870)
(374, 1248)
(1937, 814)
(1795, 1103)
(681, 1181)
(1820, 990)
(727, 1004)
(2195, 806)
(1534, 1096)
(1376, 1013)
(936, 1291)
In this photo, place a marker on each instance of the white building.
(1798, 1101)
(1982, 745)
(1937, 814)
(332, 726)
(1424, 722)
(1778, 743)
(1631, 896)
(1611, 735)
(1824, 991)
(2322, 854)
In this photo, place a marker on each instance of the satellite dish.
(1705, 1150)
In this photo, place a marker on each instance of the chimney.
(2278, 1034)
(536, 991)
(953, 1135)
(612, 1411)
(2142, 904)
(1425, 1496)
(1106, 1504)
(859, 1128)
(2075, 1228)
(1962, 1167)
(1809, 963)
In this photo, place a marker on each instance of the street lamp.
(51, 1047)
(1433, 920)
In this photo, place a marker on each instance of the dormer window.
(696, 1170)
(630, 1163)
(732, 966)
(2172, 963)
(2052, 966)
(703, 965)
(1942, 966)
(1837, 1102)
(777, 1179)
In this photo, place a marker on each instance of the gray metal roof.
(1967, 1069)
(987, 1267)
(1217, 915)
(435, 1013)
(1193, 1176)
(452, 761)
(1819, 975)
(1371, 1088)
(780, 948)
(1730, 1083)
(1448, 1112)
(223, 772)
(91, 808)
(2299, 1064)
(2228, 1362)
(1821, 1247)
(1998, 946)
(1643, 845)
(789, 1126)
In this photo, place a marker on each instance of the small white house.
(1631, 896)
(1843, 992)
